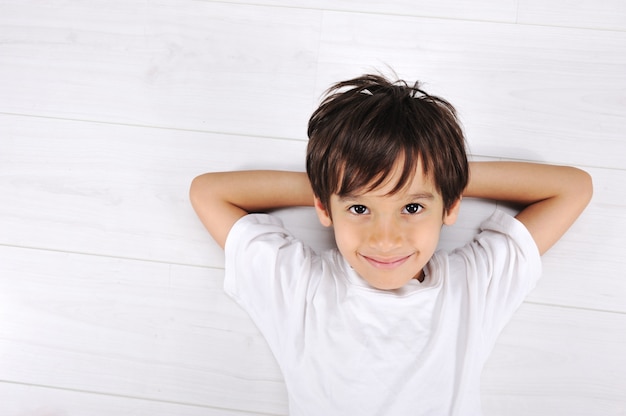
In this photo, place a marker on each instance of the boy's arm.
(220, 199)
(553, 196)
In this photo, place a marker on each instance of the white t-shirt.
(346, 348)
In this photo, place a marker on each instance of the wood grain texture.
(601, 15)
(150, 331)
(110, 289)
(147, 330)
(118, 190)
(522, 92)
(121, 191)
(590, 252)
(552, 360)
(185, 64)
(25, 400)
(484, 10)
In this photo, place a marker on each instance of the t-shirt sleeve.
(267, 272)
(503, 265)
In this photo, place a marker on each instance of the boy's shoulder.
(502, 250)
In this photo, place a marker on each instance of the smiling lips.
(386, 263)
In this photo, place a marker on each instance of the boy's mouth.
(386, 263)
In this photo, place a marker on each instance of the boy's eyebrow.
(422, 195)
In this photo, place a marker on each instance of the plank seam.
(122, 396)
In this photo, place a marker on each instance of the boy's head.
(366, 125)
(387, 165)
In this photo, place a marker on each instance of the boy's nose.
(385, 235)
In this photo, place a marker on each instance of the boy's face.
(388, 239)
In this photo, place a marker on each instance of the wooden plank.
(21, 400)
(585, 268)
(166, 333)
(143, 330)
(126, 335)
(186, 64)
(118, 190)
(517, 86)
(121, 191)
(604, 15)
(525, 92)
(552, 360)
(483, 10)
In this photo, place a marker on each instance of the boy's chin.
(393, 284)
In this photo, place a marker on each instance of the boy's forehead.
(419, 186)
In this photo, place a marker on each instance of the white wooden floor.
(110, 289)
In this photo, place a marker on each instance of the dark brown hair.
(364, 126)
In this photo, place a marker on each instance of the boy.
(384, 325)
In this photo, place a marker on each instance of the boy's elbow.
(585, 185)
(198, 187)
(193, 189)
(580, 187)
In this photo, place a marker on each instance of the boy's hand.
(220, 199)
(553, 196)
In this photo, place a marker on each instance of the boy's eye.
(412, 209)
(358, 209)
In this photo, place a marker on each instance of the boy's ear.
(451, 214)
(322, 213)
